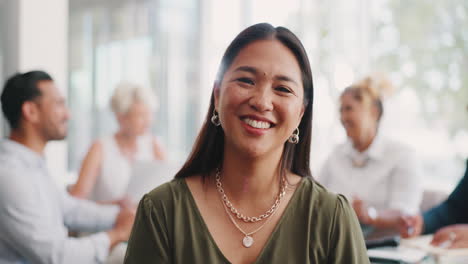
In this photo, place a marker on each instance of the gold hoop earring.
(294, 138)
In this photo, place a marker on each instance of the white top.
(35, 215)
(386, 176)
(112, 182)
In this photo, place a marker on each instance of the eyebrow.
(285, 78)
(246, 69)
(255, 71)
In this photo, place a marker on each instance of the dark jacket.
(453, 211)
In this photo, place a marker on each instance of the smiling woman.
(245, 194)
(382, 176)
(260, 103)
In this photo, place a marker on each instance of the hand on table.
(453, 236)
(410, 225)
(361, 210)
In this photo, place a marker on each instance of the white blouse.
(112, 182)
(386, 176)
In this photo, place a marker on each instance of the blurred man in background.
(34, 214)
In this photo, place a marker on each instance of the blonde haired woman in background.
(380, 176)
(105, 171)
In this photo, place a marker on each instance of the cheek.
(352, 116)
(128, 123)
(56, 115)
(292, 112)
(367, 121)
(231, 97)
(139, 122)
(144, 119)
(63, 112)
(150, 118)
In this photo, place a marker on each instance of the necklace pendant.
(247, 241)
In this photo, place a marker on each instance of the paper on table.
(424, 243)
(409, 255)
(443, 255)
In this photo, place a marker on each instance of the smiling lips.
(347, 124)
(256, 125)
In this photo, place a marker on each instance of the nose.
(261, 99)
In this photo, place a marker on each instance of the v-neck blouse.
(317, 226)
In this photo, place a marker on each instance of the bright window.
(3, 21)
(176, 46)
(154, 43)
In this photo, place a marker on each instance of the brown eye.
(283, 89)
(246, 80)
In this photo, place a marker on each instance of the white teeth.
(257, 124)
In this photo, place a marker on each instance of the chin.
(255, 153)
(350, 134)
(255, 150)
(57, 137)
(245, 149)
(62, 134)
(58, 134)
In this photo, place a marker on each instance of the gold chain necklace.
(248, 240)
(239, 215)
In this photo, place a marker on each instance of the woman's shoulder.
(317, 190)
(336, 224)
(168, 194)
(318, 196)
(170, 190)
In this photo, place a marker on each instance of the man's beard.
(53, 133)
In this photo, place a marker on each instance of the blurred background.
(174, 47)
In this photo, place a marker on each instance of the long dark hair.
(207, 153)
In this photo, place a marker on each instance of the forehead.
(138, 106)
(348, 98)
(269, 56)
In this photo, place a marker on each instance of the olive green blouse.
(316, 227)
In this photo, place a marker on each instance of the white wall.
(38, 33)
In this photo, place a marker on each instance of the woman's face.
(357, 118)
(137, 120)
(260, 99)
